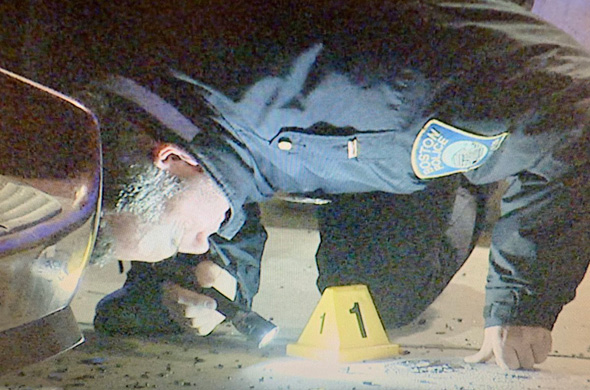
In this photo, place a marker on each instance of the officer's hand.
(514, 346)
(191, 309)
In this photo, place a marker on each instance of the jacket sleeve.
(536, 80)
(540, 248)
(242, 254)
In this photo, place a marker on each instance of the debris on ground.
(428, 367)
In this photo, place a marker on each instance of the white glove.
(514, 346)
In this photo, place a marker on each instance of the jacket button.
(285, 144)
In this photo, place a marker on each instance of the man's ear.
(176, 160)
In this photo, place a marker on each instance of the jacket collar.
(199, 125)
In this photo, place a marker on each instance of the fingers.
(517, 349)
(514, 347)
(207, 273)
(485, 353)
(200, 310)
(206, 323)
(507, 357)
(530, 345)
(480, 357)
(170, 296)
(195, 302)
(542, 348)
(504, 351)
(524, 358)
(196, 311)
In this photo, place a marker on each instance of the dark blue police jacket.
(359, 96)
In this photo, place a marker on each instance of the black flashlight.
(256, 328)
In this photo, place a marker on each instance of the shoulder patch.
(441, 150)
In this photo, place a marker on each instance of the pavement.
(432, 347)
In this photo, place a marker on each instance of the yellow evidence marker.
(344, 327)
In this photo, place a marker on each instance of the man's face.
(174, 208)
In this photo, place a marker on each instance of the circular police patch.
(442, 150)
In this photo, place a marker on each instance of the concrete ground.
(433, 346)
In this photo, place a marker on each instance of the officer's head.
(157, 198)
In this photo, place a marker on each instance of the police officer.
(400, 113)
